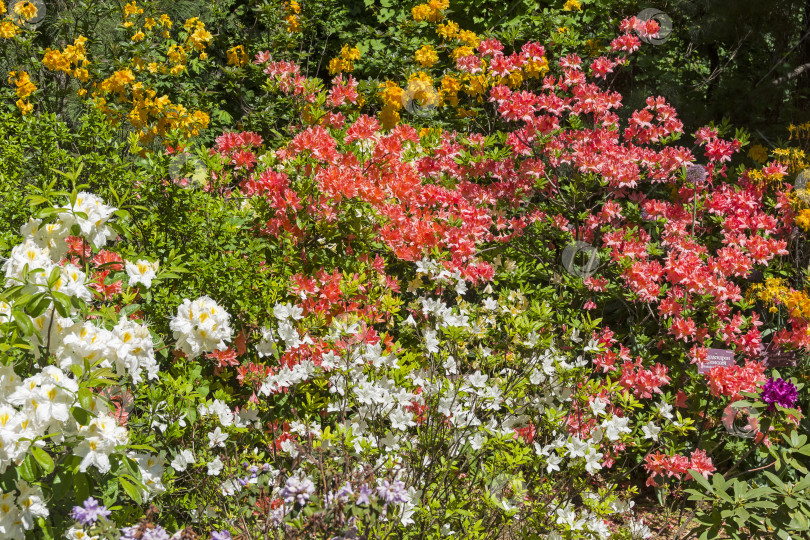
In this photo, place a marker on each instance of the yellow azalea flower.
(55, 60)
(469, 37)
(2, 8)
(420, 12)
(448, 30)
(450, 89)
(237, 56)
(426, 56)
(389, 117)
(391, 94)
(294, 6)
(461, 52)
(200, 38)
(25, 10)
(572, 5)
(118, 81)
(132, 9)
(8, 29)
(81, 74)
(758, 153)
(203, 56)
(350, 53)
(477, 85)
(292, 24)
(165, 21)
(81, 92)
(149, 23)
(513, 80)
(23, 83)
(335, 66)
(536, 69)
(803, 219)
(24, 106)
(562, 30)
(139, 35)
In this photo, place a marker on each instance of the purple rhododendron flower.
(156, 533)
(90, 513)
(392, 492)
(224, 535)
(297, 490)
(779, 392)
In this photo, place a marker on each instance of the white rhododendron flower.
(31, 254)
(141, 272)
(215, 467)
(101, 436)
(134, 350)
(201, 326)
(51, 236)
(94, 228)
(182, 460)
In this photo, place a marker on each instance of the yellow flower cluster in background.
(25, 10)
(24, 89)
(344, 62)
(453, 84)
(237, 56)
(426, 56)
(292, 10)
(794, 158)
(199, 36)
(803, 219)
(431, 12)
(758, 153)
(72, 60)
(572, 5)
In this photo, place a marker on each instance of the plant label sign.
(716, 358)
(774, 356)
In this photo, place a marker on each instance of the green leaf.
(86, 398)
(45, 461)
(131, 489)
(29, 471)
(81, 486)
(81, 415)
(23, 322)
(45, 529)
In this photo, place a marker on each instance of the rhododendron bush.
(365, 327)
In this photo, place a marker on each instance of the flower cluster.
(201, 326)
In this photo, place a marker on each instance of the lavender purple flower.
(392, 492)
(695, 174)
(224, 535)
(297, 490)
(90, 513)
(156, 533)
(363, 495)
(779, 392)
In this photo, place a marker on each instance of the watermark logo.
(420, 98)
(739, 422)
(27, 13)
(580, 259)
(802, 179)
(508, 492)
(187, 167)
(663, 20)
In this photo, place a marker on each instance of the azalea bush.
(478, 297)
